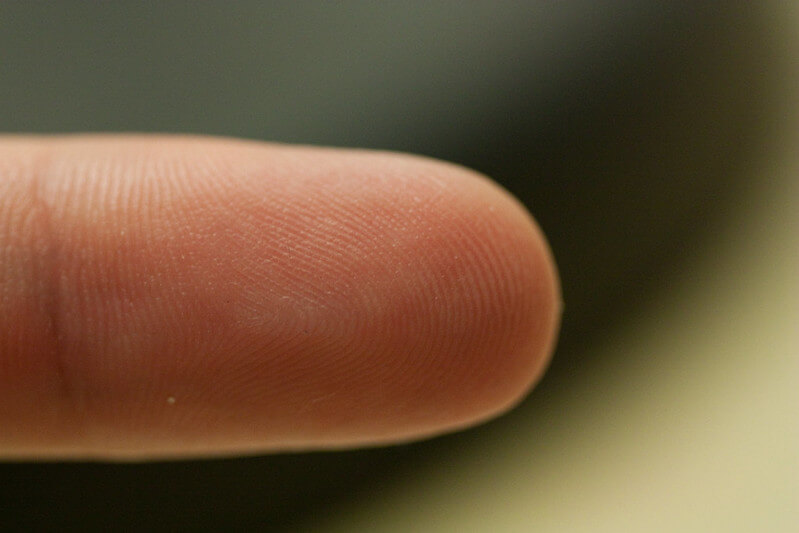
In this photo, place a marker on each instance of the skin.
(192, 297)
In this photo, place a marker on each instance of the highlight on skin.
(165, 296)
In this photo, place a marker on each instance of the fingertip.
(219, 296)
(513, 299)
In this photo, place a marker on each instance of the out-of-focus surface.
(689, 421)
(654, 141)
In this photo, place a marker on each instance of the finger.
(172, 296)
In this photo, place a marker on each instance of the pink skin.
(174, 296)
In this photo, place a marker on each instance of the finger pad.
(284, 298)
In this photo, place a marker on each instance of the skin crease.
(182, 297)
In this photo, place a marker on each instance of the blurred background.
(654, 141)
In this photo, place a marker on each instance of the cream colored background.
(695, 428)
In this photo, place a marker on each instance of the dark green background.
(624, 127)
